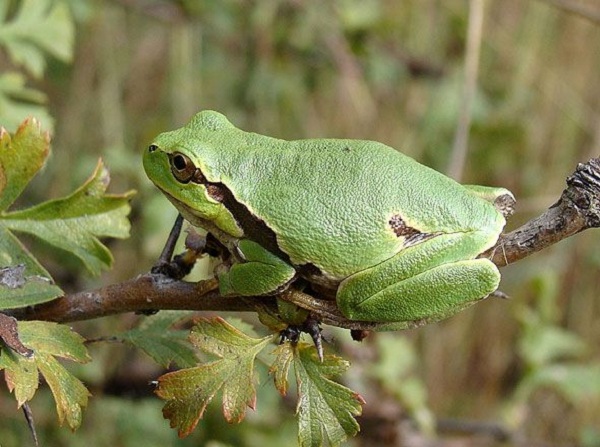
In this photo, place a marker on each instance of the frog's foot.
(181, 265)
(311, 327)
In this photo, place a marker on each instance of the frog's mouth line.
(189, 213)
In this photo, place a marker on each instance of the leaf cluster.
(72, 224)
(48, 341)
(326, 410)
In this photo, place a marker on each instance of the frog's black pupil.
(179, 162)
(152, 147)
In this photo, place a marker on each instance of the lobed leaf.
(21, 157)
(23, 281)
(76, 222)
(284, 357)
(165, 345)
(326, 410)
(55, 339)
(189, 391)
(21, 375)
(48, 340)
(70, 394)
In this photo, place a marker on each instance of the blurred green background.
(106, 76)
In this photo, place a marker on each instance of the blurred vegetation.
(109, 75)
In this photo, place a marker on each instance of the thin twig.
(30, 423)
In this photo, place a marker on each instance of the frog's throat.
(192, 216)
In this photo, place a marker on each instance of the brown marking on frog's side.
(401, 229)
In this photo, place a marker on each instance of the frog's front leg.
(259, 272)
(425, 282)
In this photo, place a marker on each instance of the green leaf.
(39, 27)
(326, 410)
(21, 375)
(48, 341)
(74, 223)
(156, 337)
(189, 391)
(21, 157)
(70, 394)
(55, 339)
(281, 366)
(23, 282)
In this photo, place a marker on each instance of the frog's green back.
(337, 203)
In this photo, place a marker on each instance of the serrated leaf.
(156, 337)
(70, 394)
(21, 157)
(48, 340)
(39, 27)
(21, 375)
(75, 223)
(55, 339)
(23, 281)
(284, 357)
(189, 391)
(326, 410)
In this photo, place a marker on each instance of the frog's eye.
(152, 148)
(182, 167)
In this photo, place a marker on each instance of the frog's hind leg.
(426, 282)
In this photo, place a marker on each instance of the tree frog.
(394, 241)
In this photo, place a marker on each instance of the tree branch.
(577, 209)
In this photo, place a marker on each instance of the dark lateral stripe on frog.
(254, 228)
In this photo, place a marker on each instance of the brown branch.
(577, 209)
(145, 293)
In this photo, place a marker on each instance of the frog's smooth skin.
(394, 241)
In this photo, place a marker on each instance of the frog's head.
(176, 162)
